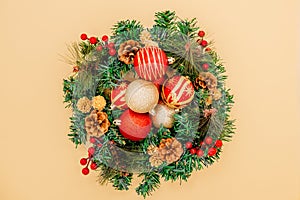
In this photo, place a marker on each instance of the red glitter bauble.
(135, 126)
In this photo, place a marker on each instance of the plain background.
(259, 42)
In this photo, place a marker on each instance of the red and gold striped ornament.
(177, 92)
(117, 96)
(150, 63)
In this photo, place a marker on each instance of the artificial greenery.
(100, 73)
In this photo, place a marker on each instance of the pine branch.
(149, 183)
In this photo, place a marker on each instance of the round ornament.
(150, 63)
(135, 126)
(177, 92)
(163, 115)
(118, 96)
(141, 96)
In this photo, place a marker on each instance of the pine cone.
(206, 80)
(97, 123)
(128, 50)
(84, 105)
(156, 160)
(170, 150)
(99, 102)
(152, 149)
(145, 38)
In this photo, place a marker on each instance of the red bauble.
(85, 171)
(117, 96)
(83, 161)
(135, 126)
(150, 63)
(205, 66)
(212, 151)
(203, 43)
(177, 92)
(208, 140)
(219, 143)
(189, 145)
(83, 36)
(104, 38)
(93, 166)
(201, 33)
(200, 153)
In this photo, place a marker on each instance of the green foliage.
(165, 19)
(188, 27)
(68, 88)
(149, 183)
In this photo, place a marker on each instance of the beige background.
(258, 40)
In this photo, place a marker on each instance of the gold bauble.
(141, 96)
(163, 115)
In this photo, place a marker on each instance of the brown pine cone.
(97, 123)
(128, 50)
(156, 160)
(206, 80)
(170, 150)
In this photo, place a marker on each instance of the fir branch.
(165, 19)
(188, 27)
(149, 183)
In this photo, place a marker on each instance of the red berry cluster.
(88, 162)
(207, 143)
(204, 44)
(93, 40)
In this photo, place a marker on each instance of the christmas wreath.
(148, 102)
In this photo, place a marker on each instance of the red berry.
(83, 36)
(92, 140)
(94, 166)
(205, 66)
(193, 151)
(208, 140)
(203, 43)
(99, 145)
(85, 171)
(99, 48)
(91, 150)
(112, 52)
(212, 151)
(111, 45)
(201, 33)
(219, 143)
(93, 40)
(202, 143)
(208, 49)
(83, 161)
(200, 153)
(189, 145)
(104, 38)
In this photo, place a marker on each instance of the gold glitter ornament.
(141, 96)
(99, 102)
(163, 115)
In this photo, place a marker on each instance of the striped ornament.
(150, 63)
(177, 92)
(117, 97)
